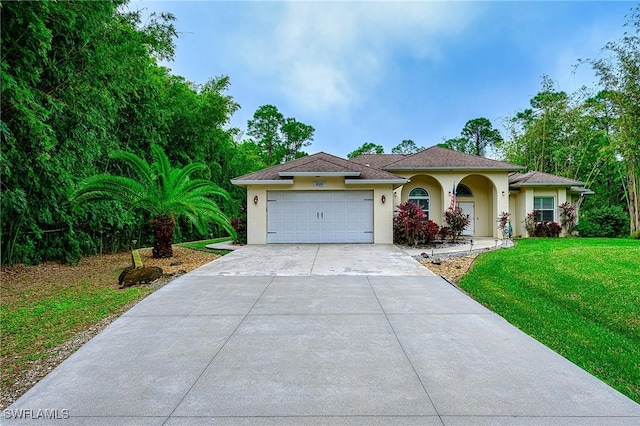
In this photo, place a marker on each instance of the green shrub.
(240, 225)
(604, 222)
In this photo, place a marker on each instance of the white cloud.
(326, 56)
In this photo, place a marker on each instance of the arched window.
(463, 190)
(420, 196)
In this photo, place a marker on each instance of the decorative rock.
(139, 276)
(436, 261)
(123, 274)
(425, 255)
(177, 263)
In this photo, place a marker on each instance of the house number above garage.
(320, 183)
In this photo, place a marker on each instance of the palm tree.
(164, 191)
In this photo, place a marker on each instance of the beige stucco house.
(322, 198)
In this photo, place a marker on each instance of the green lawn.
(201, 245)
(578, 296)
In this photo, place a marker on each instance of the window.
(463, 190)
(546, 207)
(420, 196)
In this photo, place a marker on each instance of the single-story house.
(322, 198)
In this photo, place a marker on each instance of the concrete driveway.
(317, 335)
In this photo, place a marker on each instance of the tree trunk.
(163, 227)
(634, 201)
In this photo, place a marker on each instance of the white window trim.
(422, 197)
(552, 209)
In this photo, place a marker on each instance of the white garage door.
(320, 217)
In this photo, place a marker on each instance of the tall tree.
(265, 129)
(296, 135)
(619, 72)
(476, 137)
(407, 146)
(366, 148)
(539, 136)
(163, 191)
(481, 135)
(280, 139)
(567, 135)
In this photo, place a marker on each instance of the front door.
(468, 208)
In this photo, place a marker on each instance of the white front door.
(320, 217)
(468, 208)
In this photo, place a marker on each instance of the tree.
(165, 192)
(265, 128)
(280, 139)
(619, 72)
(567, 135)
(296, 135)
(456, 144)
(69, 71)
(540, 134)
(366, 148)
(481, 135)
(407, 146)
(475, 138)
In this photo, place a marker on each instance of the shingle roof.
(443, 158)
(434, 158)
(534, 178)
(377, 160)
(317, 163)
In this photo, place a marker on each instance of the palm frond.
(160, 190)
(138, 165)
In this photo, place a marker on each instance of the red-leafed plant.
(547, 230)
(457, 221)
(411, 227)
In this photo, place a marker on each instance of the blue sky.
(386, 71)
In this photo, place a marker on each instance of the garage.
(320, 217)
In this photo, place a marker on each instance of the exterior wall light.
(255, 200)
(503, 193)
(383, 199)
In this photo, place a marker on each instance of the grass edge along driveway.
(578, 296)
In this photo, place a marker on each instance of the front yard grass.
(43, 308)
(578, 296)
(202, 245)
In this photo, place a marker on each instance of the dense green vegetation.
(580, 297)
(81, 80)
